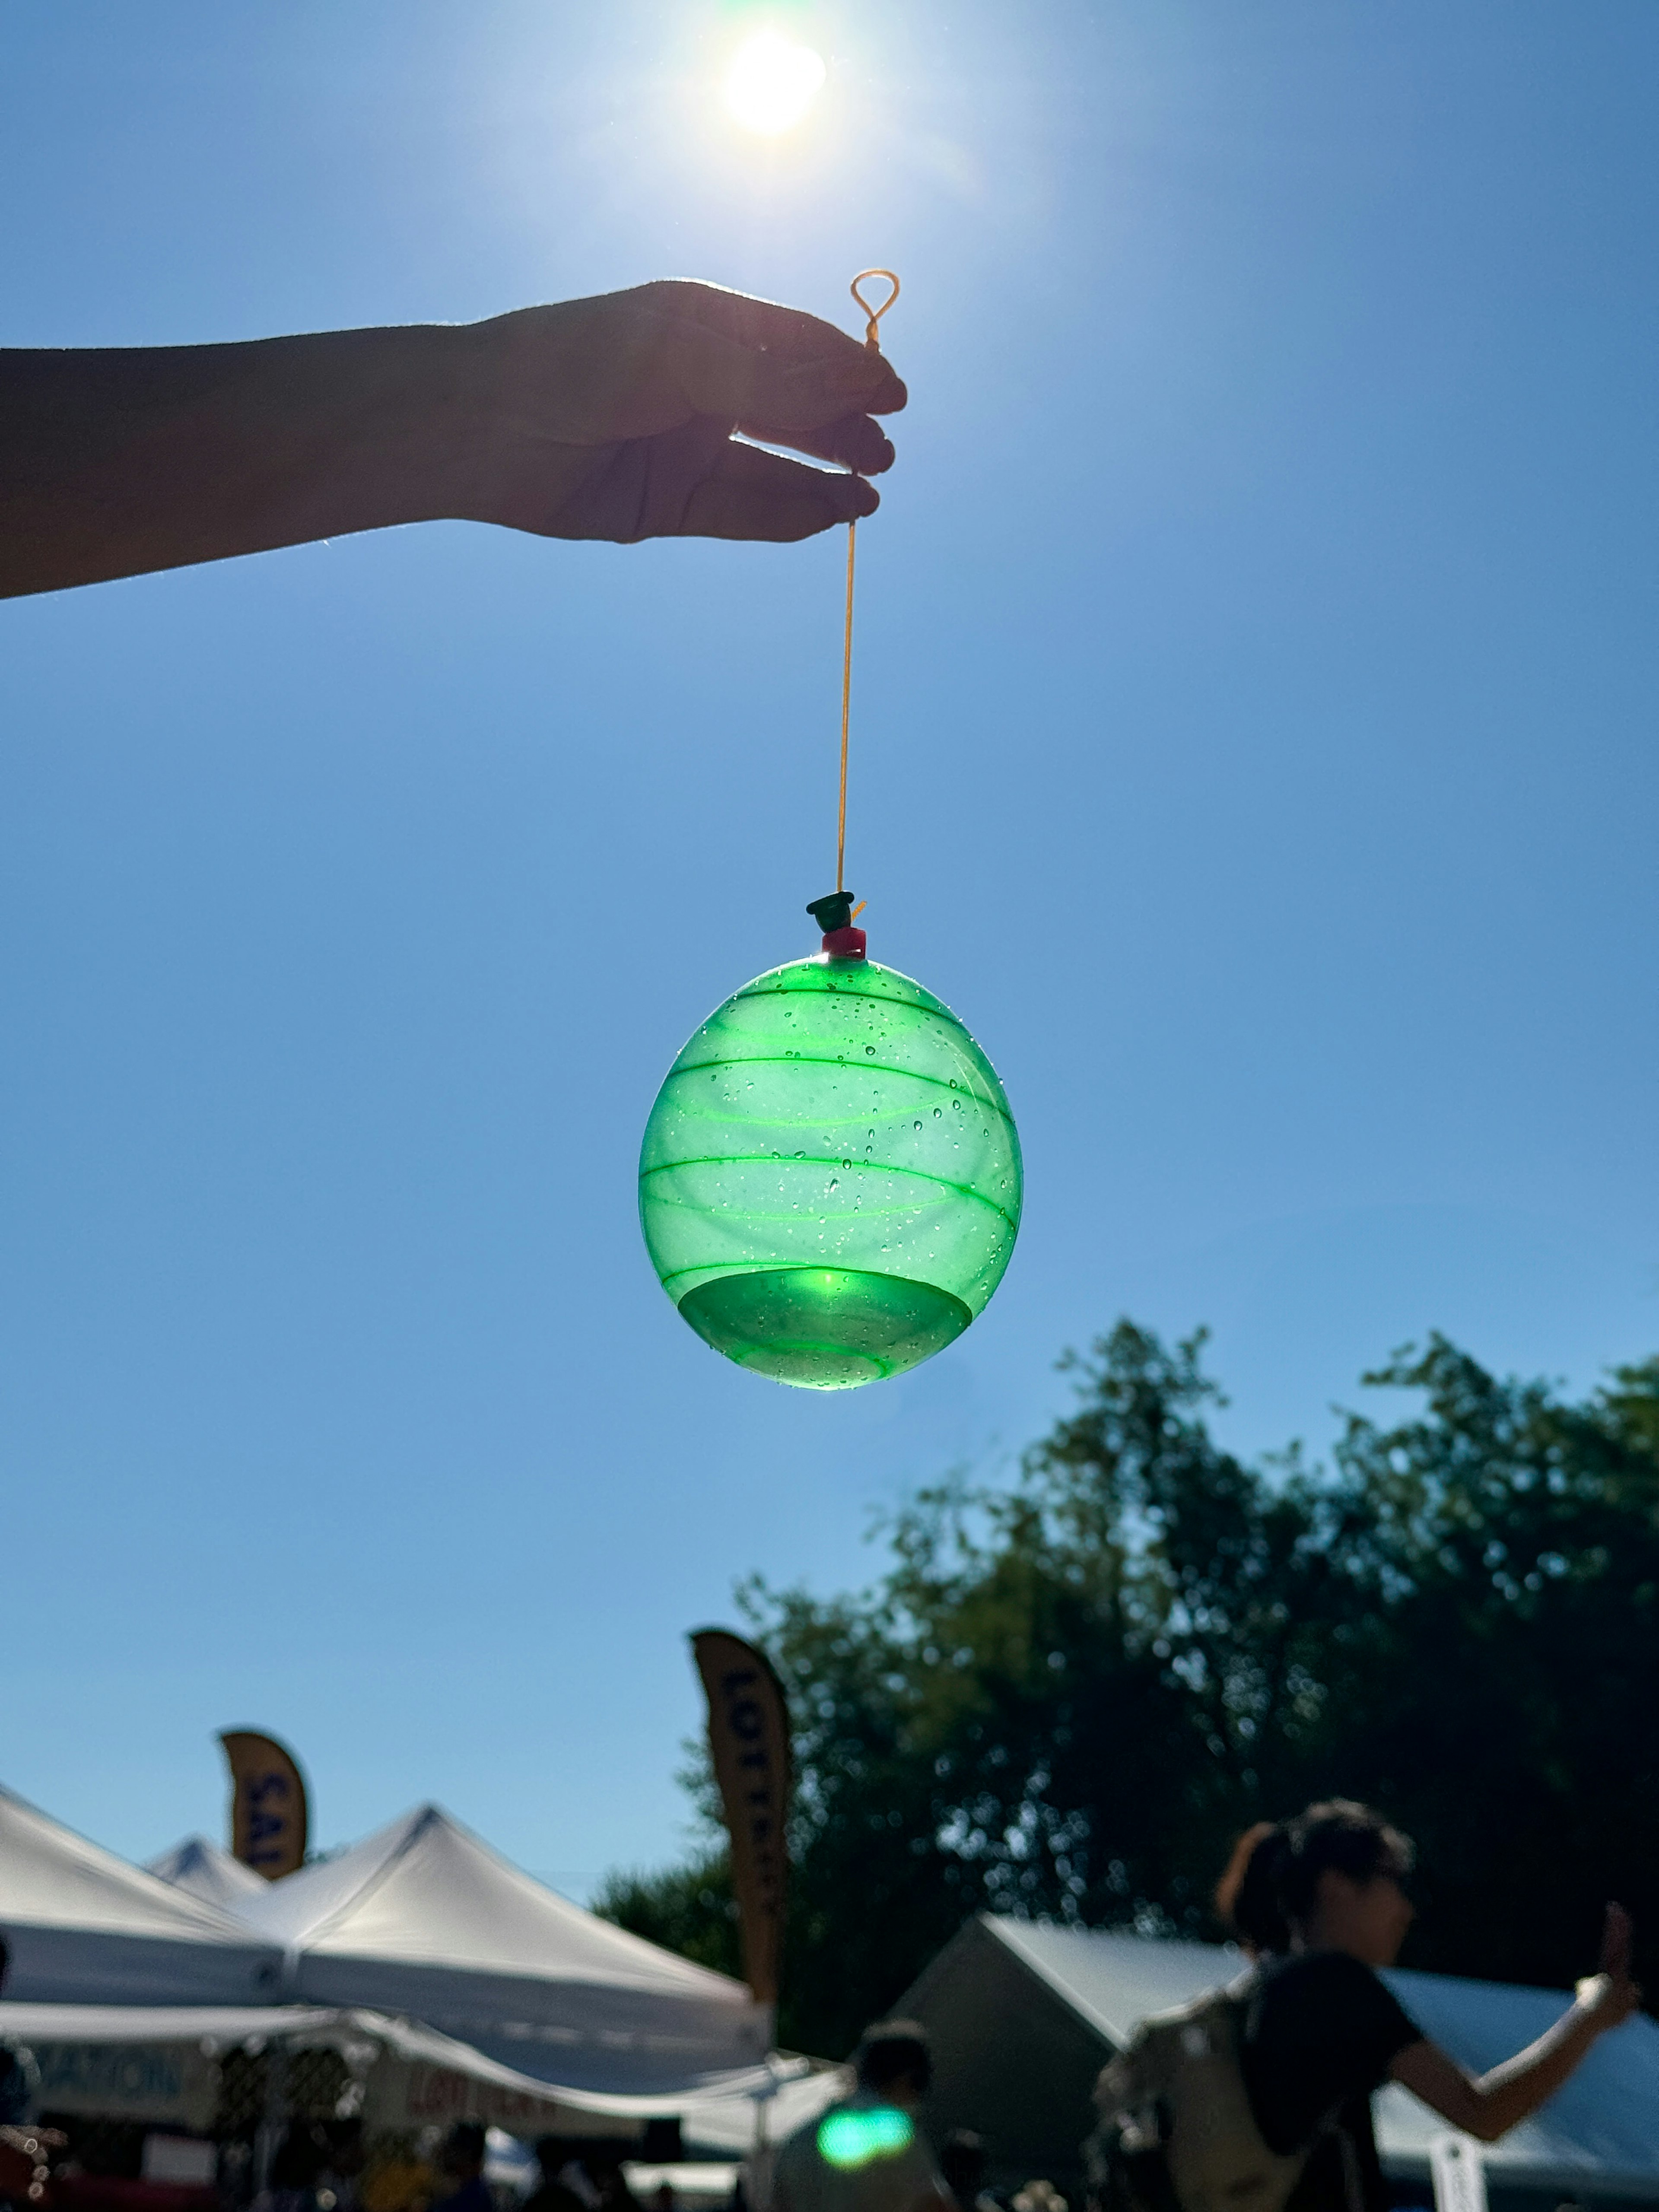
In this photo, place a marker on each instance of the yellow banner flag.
(268, 1814)
(748, 1743)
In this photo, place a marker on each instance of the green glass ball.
(830, 1179)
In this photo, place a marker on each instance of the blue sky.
(1253, 741)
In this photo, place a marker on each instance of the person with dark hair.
(1322, 1902)
(865, 2153)
(604, 2167)
(893, 2058)
(554, 2155)
(461, 2162)
(295, 2167)
(962, 2164)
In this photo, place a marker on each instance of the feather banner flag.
(749, 1744)
(269, 1817)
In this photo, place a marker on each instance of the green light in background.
(851, 2139)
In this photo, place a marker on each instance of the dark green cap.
(835, 912)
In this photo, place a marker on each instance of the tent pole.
(269, 2131)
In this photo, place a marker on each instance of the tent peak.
(201, 1869)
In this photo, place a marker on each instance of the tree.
(1063, 1696)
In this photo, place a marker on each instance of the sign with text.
(749, 1744)
(150, 2081)
(405, 2093)
(268, 1814)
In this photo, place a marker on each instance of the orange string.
(872, 339)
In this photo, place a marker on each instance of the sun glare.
(772, 82)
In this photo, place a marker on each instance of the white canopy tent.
(423, 1918)
(203, 1870)
(158, 2065)
(84, 1927)
(1022, 2018)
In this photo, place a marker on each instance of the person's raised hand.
(622, 418)
(1611, 1994)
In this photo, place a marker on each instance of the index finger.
(789, 335)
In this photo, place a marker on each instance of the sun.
(772, 82)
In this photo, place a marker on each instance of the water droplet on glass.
(937, 1111)
(918, 1125)
(835, 1181)
(871, 1051)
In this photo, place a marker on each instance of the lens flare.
(851, 2139)
(772, 82)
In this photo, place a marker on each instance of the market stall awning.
(84, 1927)
(424, 1919)
(158, 2065)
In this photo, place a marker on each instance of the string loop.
(872, 337)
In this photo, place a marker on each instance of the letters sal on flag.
(269, 1818)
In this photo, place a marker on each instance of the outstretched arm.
(609, 418)
(1490, 2105)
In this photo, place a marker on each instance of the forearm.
(1489, 2106)
(1516, 2089)
(115, 462)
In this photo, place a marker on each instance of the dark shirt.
(472, 2195)
(1320, 2031)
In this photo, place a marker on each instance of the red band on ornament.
(845, 944)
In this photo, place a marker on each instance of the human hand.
(613, 418)
(1611, 1995)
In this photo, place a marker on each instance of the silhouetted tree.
(1064, 1697)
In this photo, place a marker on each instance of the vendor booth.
(188, 2019)
(140, 2090)
(180, 2066)
(170, 2066)
(1022, 2018)
(424, 1919)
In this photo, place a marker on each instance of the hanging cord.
(871, 338)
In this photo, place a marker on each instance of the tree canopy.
(1066, 1695)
